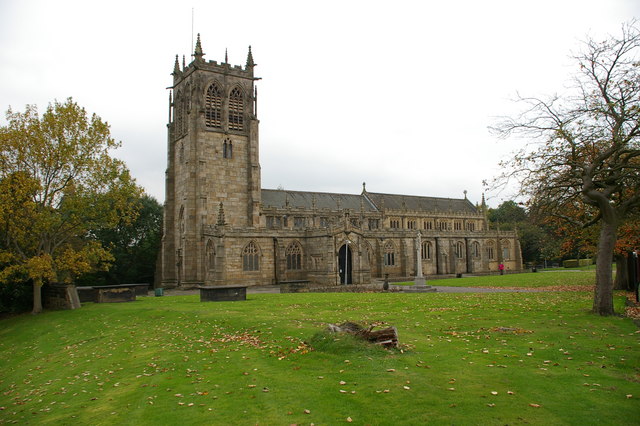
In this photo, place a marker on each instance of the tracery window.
(457, 225)
(389, 254)
(459, 250)
(471, 226)
(428, 224)
(250, 260)
(236, 110)
(394, 224)
(294, 256)
(442, 225)
(213, 107)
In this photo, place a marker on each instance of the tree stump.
(387, 337)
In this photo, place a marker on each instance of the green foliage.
(134, 246)
(58, 181)
(507, 214)
(503, 358)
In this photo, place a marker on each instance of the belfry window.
(250, 260)
(236, 110)
(213, 107)
(294, 256)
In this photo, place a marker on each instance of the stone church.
(221, 227)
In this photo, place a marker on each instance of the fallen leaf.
(391, 370)
(307, 411)
(406, 387)
(342, 382)
(629, 396)
(349, 419)
(534, 405)
(494, 393)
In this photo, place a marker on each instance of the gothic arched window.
(294, 256)
(426, 250)
(491, 250)
(227, 149)
(389, 254)
(475, 249)
(236, 110)
(505, 250)
(213, 107)
(459, 250)
(250, 257)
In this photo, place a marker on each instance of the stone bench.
(222, 293)
(294, 286)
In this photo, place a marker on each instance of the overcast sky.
(395, 94)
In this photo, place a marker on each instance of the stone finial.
(184, 63)
(198, 53)
(221, 220)
(250, 63)
(465, 194)
(364, 187)
(226, 56)
(176, 67)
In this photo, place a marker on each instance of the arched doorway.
(345, 264)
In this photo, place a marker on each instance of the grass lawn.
(500, 358)
(547, 278)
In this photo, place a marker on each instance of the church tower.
(213, 170)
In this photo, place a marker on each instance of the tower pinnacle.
(198, 51)
(250, 63)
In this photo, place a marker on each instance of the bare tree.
(582, 161)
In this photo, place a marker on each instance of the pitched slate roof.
(369, 201)
(279, 198)
(425, 204)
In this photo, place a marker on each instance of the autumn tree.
(584, 147)
(58, 181)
